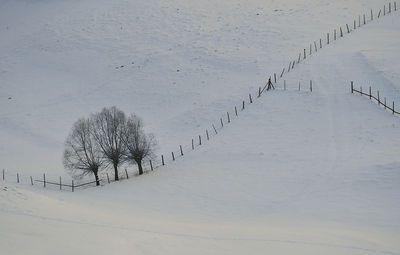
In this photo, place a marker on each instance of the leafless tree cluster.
(107, 140)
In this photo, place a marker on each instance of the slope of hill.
(298, 172)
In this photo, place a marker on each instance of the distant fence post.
(282, 72)
(44, 180)
(3, 175)
(348, 29)
(352, 87)
(370, 95)
(311, 85)
(251, 100)
(379, 14)
(320, 43)
(284, 84)
(215, 130)
(334, 34)
(275, 77)
(151, 166)
(364, 18)
(379, 100)
(72, 186)
(236, 111)
(180, 147)
(229, 119)
(108, 178)
(208, 136)
(341, 32)
(31, 180)
(222, 123)
(327, 38)
(393, 101)
(162, 160)
(60, 183)
(192, 144)
(199, 139)
(17, 178)
(173, 156)
(126, 172)
(298, 61)
(304, 56)
(315, 45)
(372, 16)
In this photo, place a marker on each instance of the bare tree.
(108, 128)
(138, 144)
(82, 156)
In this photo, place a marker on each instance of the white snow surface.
(295, 173)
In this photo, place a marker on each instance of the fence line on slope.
(372, 97)
(155, 163)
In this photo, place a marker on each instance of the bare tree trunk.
(116, 172)
(96, 176)
(139, 163)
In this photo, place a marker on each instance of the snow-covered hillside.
(296, 173)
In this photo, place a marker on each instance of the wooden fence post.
(304, 56)
(311, 85)
(393, 101)
(173, 156)
(354, 24)
(385, 103)
(243, 105)
(282, 72)
(72, 185)
(320, 43)
(348, 29)
(372, 16)
(334, 34)
(379, 100)
(3, 175)
(293, 64)
(384, 10)
(31, 180)
(108, 178)
(259, 91)
(359, 20)
(60, 183)
(199, 139)
(379, 14)
(215, 130)
(298, 61)
(284, 84)
(275, 77)
(180, 147)
(229, 119)
(352, 87)
(364, 18)
(17, 178)
(299, 86)
(236, 111)
(208, 137)
(361, 91)
(44, 180)
(192, 144)
(395, 6)
(222, 123)
(151, 166)
(390, 7)
(315, 46)
(310, 48)
(126, 173)
(162, 160)
(370, 95)
(341, 32)
(250, 100)
(327, 38)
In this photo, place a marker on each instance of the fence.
(372, 97)
(213, 130)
